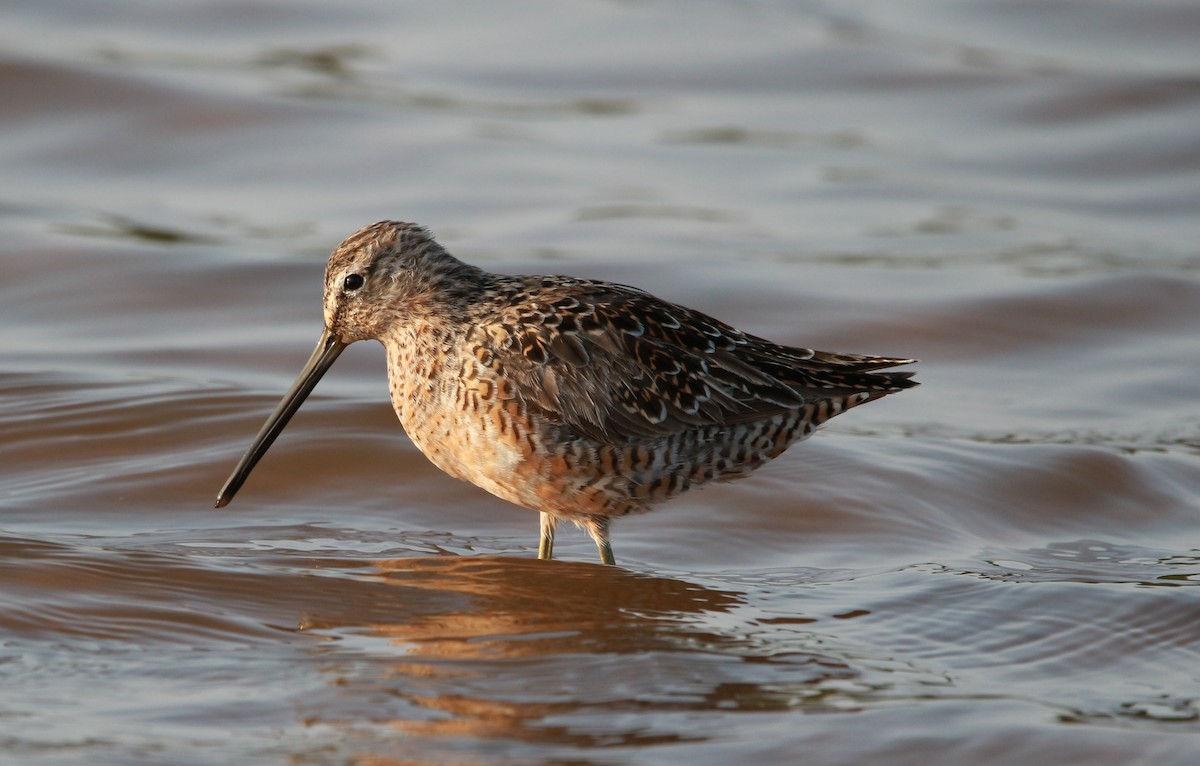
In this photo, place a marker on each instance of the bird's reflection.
(493, 607)
(499, 648)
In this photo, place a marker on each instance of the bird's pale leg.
(597, 527)
(546, 541)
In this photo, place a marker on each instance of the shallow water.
(994, 568)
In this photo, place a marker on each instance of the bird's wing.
(617, 364)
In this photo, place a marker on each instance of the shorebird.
(579, 399)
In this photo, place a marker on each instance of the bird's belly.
(525, 462)
(465, 451)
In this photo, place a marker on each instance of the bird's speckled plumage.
(577, 398)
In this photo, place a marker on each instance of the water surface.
(994, 568)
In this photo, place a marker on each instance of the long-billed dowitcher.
(580, 399)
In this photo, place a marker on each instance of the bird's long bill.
(323, 357)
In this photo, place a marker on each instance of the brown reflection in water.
(520, 608)
(498, 648)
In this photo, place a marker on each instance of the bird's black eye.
(353, 281)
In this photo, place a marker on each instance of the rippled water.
(994, 568)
